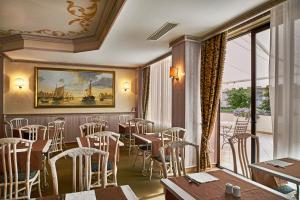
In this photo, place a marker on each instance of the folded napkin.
(202, 177)
(278, 163)
(86, 195)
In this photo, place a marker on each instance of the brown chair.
(176, 151)
(241, 141)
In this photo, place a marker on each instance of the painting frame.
(76, 70)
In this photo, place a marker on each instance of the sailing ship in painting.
(97, 91)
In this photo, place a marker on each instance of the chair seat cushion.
(95, 166)
(21, 176)
(145, 147)
(285, 189)
(167, 158)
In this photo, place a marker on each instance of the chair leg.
(137, 154)
(151, 169)
(39, 186)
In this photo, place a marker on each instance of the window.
(245, 94)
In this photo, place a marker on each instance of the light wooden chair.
(170, 135)
(14, 180)
(176, 150)
(89, 128)
(19, 122)
(241, 141)
(124, 119)
(8, 129)
(240, 127)
(56, 133)
(84, 157)
(144, 127)
(103, 141)
(129, 139)
(33, 132)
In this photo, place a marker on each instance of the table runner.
(36, 158)
(292, 170)
(216, 189)
(111, 193)
(155, 142)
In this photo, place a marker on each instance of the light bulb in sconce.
(19, 82)
(174, 74)
(126, 86)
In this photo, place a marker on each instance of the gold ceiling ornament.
(85, 17)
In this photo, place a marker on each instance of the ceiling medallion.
(84, 19)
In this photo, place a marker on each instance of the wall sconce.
(126, 86)
(19, 82)
(174, 73)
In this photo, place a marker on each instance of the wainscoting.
(72, 121)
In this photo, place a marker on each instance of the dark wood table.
(112, 193)
(181, 188)
(290, 173)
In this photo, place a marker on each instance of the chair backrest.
(173, 134)
(241, 141)
(11, 148)
(33, 131)
(89, 128)
(144, 126)
(176, 150)
(8, 129)
(84, 156)
(124, 119)
(19, 122)
(240, 126)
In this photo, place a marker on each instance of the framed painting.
(56, 87)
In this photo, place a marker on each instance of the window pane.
(235, 96)
(263, 110)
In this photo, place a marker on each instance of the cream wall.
(21, 101)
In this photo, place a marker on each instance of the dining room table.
(123, 192)
(151, 139)
(290, 173)
(183, 188)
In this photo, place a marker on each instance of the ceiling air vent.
(161, 31)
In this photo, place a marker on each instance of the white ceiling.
(126, 43)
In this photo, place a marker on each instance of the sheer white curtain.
(160, 94)
(285, 78)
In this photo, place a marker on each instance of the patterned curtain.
(146, 84)
(212, 67)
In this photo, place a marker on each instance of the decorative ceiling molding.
(70, 41)
(67, 64)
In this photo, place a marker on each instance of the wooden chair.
(102, 140)
(84, 157)
(241, 141)
(124, 119)
(8, 129)
(167, 136)
(143, 127)
(14, 180)
(176, 150)
(89, 128)
(129, 139)
(33, 132)
(19, 122)
(240, 127)
(56, 133)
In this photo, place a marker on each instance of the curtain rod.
(259, 10)
(157, 59)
